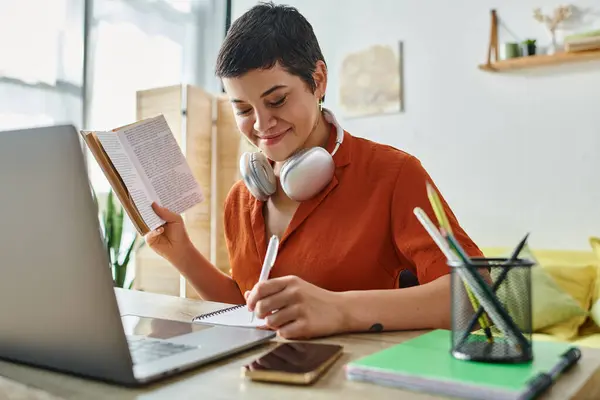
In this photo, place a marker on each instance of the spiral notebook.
(233, 316)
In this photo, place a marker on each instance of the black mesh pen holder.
(501, 334)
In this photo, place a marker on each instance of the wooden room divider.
(205, 128)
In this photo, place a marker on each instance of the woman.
(343, 247)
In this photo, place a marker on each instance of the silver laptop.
(58, 308)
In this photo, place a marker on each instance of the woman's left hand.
(302, 310)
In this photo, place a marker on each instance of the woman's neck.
(319, 135)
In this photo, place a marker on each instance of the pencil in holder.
(492, 320)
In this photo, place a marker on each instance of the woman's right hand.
(171, 240)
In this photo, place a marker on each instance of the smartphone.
(299, 363)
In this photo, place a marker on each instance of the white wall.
(465, 124)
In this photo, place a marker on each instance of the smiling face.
(276, 110)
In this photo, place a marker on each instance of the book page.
(140, 196)
(161, 163)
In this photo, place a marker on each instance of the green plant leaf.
(104, 222)
(106, 235)
(110, 209)
(128, 254)
(131, 284)
(121, 268)
(118, 274)
(94, 196)
(118, 232)
(113, 220)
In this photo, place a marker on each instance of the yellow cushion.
(565, 257)
(595, 243)
(592, 323)
(595, 312)
(589, 341)
(577, 281)
(590, 326)
(557, 258)
(495, 251)
(554, 257)
(562, 289)
(543, 337)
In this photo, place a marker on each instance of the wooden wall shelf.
(540, 61)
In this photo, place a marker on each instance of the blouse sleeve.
(412, 242)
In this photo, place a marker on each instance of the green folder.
(424, 364)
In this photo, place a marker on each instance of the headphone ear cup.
(306, 173)
(258, 175)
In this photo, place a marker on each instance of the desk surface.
(222, 379)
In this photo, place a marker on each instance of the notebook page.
(236, 316)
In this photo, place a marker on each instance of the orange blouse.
(359, 233)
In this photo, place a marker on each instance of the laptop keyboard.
(145, 350)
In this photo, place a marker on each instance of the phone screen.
(295, 358)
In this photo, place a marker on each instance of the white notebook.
(233, 316)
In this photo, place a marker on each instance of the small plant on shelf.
(528, 47)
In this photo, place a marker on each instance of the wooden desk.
(222, 380)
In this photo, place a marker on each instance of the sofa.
(565, 288)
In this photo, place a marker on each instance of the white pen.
(269, 261)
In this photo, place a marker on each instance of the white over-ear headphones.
(302, 176)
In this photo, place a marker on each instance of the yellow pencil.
(438, 209)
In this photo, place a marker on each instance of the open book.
(144, 164)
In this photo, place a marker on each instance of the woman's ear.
(320, 79)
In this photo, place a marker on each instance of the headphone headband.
(329, 117)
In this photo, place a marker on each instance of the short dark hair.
(268, 34)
